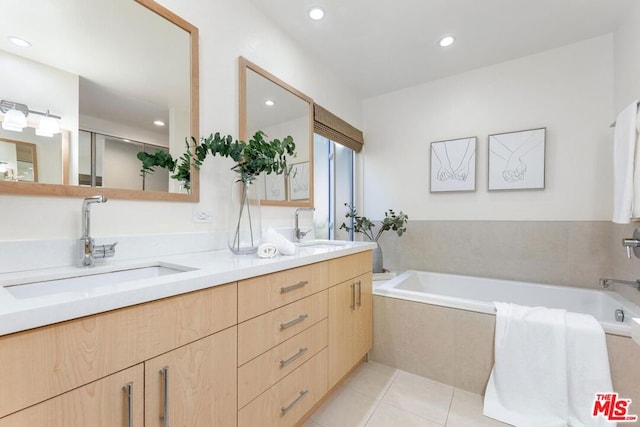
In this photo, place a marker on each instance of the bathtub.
(478, 294)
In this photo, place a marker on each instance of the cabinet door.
(113, 401)
(194, 385)
(342, 309)
(363, 334)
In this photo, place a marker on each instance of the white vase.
(244, 223)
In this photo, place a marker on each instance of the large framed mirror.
(104, 71)
(278, 109)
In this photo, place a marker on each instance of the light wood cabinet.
(194, 385)
(350, 314)
(260, 352)
(73, 373)
(107, 402)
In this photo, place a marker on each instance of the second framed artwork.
(516, 160)
(453, 165)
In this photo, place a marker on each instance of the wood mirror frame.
(28, 188)
(244, 66)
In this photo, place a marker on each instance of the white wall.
(627, 59)
(567, 90)
(228, 29)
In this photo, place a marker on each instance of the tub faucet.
(299, 234)
(87, 248)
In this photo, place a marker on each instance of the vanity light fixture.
(316, 13)
(15, 118)
(48, 126)
(446, 41)
(19, 41)
(269, 103)
(158, 122)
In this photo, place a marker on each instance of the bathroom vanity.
(261, 344)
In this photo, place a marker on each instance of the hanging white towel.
(624, 161)
(549, 365)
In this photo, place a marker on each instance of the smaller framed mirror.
(276, 108)
(18, 161)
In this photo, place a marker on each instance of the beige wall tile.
(624, 358)
(474, 350)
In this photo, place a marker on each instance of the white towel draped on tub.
(626, 166)
(549, 365)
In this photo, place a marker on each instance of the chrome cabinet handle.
(164, 417)
(353, 296)
(302, 351)
(359, 293)
(286, 409)
(128, 391)
(293, 322)
(289, 288)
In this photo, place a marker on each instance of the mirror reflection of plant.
(361, 224)
(252, 158)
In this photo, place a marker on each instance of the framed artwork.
(274, 187)
(299, 181)
(453, 165)
(516, 160)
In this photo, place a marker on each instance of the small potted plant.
(361, 224)
(252, 158)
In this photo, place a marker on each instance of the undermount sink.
(84, 282)
(321, 243)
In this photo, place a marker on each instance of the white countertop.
(210, 269)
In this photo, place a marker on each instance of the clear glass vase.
(244, 223)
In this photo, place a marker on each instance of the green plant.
(362, 224)
(252, 158)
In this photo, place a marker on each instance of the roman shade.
(333, 127)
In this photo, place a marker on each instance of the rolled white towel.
(285, 246)
(267, 250)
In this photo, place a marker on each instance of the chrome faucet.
(299, 234)
(87, 249)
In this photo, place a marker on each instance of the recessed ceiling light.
(19, 42)
(269, 103)
(446, 41)
(316, 13)
(158, 123)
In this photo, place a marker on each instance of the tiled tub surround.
(456, 347)
(554, 252)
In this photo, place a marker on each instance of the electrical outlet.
(201, 216)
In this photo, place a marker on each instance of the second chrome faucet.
(88, 251)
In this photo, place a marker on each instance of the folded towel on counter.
(549, 365)
(285, 246)
(267, 250)
(626, 168)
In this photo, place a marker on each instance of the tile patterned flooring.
(377, 395)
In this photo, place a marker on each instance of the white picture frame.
(299, 181)
(453, 165)
(274, 187)
(517, 160)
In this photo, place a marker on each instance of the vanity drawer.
(288, 401)
(265, 293)
(261, 333)
(348, 267)
(267, 369)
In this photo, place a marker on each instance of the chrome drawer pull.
(293, 322)
(302, 351)
(353, 296)
(128, 390)
(300, 284)
(286, 409)
(164, 417)
(359, 293)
